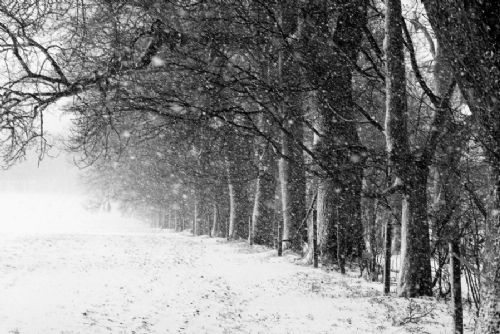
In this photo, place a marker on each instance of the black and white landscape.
(253, 166)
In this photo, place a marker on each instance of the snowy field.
(107, 274)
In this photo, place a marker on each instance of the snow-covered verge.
(164, 282)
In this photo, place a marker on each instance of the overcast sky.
(55, 173)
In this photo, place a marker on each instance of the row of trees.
(255, 119)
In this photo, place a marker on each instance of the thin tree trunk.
(311, 228)
(263, 209)
(196, 218)
(177, 224)
(341, 247)
(387, 256)
(315, 239)
(456, 287)
(215, 222)
(280, 238)
(369, 217)
(236, 174)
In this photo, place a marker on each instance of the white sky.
(55, 173)
(44, 196)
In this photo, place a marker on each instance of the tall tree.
(469, 33)
(415, 274)
(261, 229)
(291, 165)
(410, 167)
(338, 148)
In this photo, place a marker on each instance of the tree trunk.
(312, 226)
(410, 172)
(387, 256)
(415, 272)
(236, 174)
(237, 208)
(327, 235)
(177, 225)
(489, 321)
(263, 209)
(291, 166)
(293, 190)
(469, 32)
(446, 202)
(369, 217)
(215, 232)
(314, 239)
(456, 287)
(338, 148)
(196, 219)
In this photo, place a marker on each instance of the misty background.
(47, 195)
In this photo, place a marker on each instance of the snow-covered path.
(163, 282)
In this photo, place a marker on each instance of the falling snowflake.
(157, 61)
(355, 158)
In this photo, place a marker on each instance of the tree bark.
(263, 209)
(196, 219)
(446, 202)
(175, 218)
(387, 256)
(237, 208)
(456, 287)
(312, 226)
(415, 272)
(369, 217)
(293, 189)
(489, 321)
(215, 232)
(327, 236)
(291, 166)
(236, 174)
(410, 171)
(314, 239)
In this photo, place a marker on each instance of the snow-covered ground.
(162, 282)
(63, 270)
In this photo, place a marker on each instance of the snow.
(114, 275)
(157, 61)
(42, 213)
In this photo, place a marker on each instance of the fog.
(45, 213)
(48, 196)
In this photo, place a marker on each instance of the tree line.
(369, 127)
